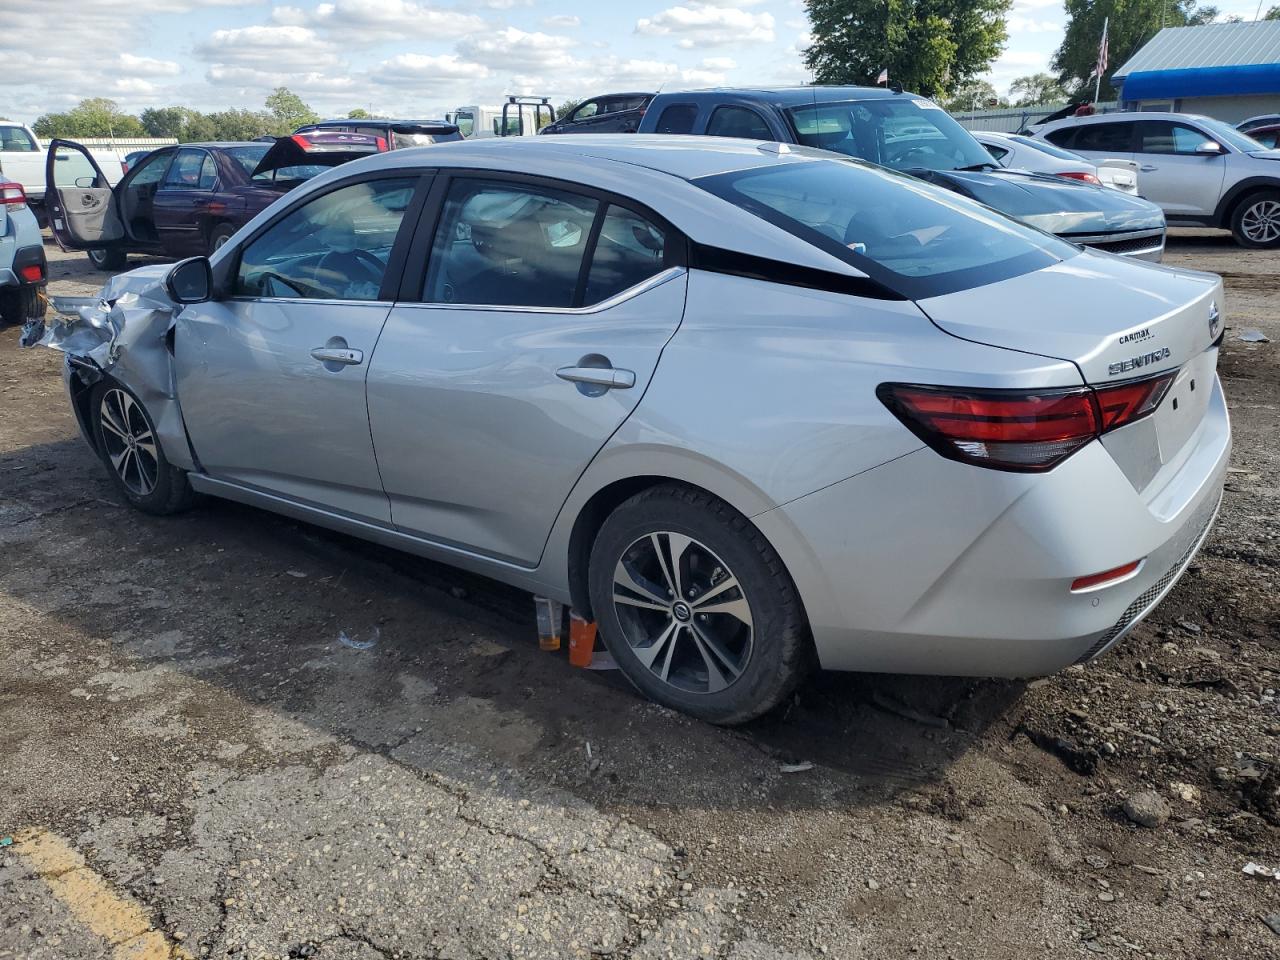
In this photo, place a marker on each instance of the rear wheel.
(108, 258)
(126, 438)
(1256, 220)
(696, 607)
(220, 235)
(20, 304)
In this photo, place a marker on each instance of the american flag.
(883, 77)
(1101, 68)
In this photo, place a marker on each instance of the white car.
(1013, 150)
(22, 161)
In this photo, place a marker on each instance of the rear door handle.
(599, 376)
(342, 355)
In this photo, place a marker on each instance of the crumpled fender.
(124, 332)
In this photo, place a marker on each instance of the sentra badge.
(1142, 360)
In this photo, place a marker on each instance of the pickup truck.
(22, 161)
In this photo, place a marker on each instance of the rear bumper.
(11, 271)
(927, 566)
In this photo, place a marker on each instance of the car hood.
(1114, 317)
(1061, 206)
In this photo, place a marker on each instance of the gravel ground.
(178, 710)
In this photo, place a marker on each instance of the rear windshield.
(1044, 146)
(249, 157)
(421, 138)
(917, 239)
(905, 133)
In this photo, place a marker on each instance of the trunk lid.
(1116, 320)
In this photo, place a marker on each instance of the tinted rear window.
(677, 118)
(916, 239)
(248, 157)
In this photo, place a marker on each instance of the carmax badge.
(1142, 360)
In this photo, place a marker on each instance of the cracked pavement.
(177, 709)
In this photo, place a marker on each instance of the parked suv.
(398, 134)
(22, 263)
(1202, 172)
(915, 136)
(616, 113)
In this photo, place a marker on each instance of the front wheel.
(108, 258)
(696, 607)
(126, 438)
(1256, 220)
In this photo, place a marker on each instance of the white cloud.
(133, 66)
(380, 21)
(414, 69)
(705, 25)
(718, 63)
(276, 48)
(562, 21)
(515, 49)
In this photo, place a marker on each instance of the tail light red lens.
(32, 273)
(1082, 176)
(1106, 578)
(1025, 431)
(12, 196)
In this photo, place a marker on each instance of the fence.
(1013, 119)
(123, 145)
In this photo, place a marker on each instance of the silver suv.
(1201, 171)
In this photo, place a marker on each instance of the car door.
(271, 373)
(1172, 174)
(79, 200)
(182, 201)
(537, 327)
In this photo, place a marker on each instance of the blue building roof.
(1216, 59)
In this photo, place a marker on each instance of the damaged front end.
(125, 333)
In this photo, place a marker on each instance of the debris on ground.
(1262, 873)
(1252, 335)
(1077, 758)
(1147, 809)
(355, 643)
(801, 767)
(1272, 920)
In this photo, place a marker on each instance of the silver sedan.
(750, 407)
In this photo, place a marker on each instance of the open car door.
(79, 199)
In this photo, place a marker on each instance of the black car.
(915, 136)
(398, 134)
(615, 113)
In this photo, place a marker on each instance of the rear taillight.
(31, 273)
(1082, 176)
(1026, 431)
(12, 195)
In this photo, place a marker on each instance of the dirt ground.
(194, 764)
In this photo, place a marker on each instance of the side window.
(1062, 137)
(1104, 138)
(678, 118)
(738, 122)
(191, 170)
(997, 153)
(151, 170)
(586, 111)
(1162, 136)
(507, 244)
(629, 249)
(466, 122)
(334, 247)
(16, 140)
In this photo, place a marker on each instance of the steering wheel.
(268, 277)
(900, 157)
(371, 266)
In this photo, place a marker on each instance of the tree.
(1133, 23)
(94, 117)
(166, 121)
(359, 114)
(566, 108)
(289, 110)
(974, 95)
(1273, 14)
(1036, 89)
(245, 125)
(931, 47)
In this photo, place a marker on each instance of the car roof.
(790, 96)
(380, 121)
(1124, 115)
(211, 144)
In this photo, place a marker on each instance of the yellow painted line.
(114, 917)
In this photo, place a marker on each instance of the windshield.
(249, 157)
(916, 239)
(1044, 146)
(901, 132)
(420, 138)
(1224, 133)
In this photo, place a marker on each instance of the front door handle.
(608, 377)
(1148, 168)
(340, 355)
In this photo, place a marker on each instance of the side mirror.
(190, 281)
(1210, 148)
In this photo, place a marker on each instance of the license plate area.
(1184, 405)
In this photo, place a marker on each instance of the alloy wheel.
(683, 613)
(129, 442)
(1261, 222)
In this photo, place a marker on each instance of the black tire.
(108, 259)
(1255, 222)
(220, 235)
(780, 651)
(168, 490)
(20, 304)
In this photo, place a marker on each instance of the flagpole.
(1097, 86)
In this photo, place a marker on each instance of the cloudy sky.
(403, 57)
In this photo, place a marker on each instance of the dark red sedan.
(183, 200)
